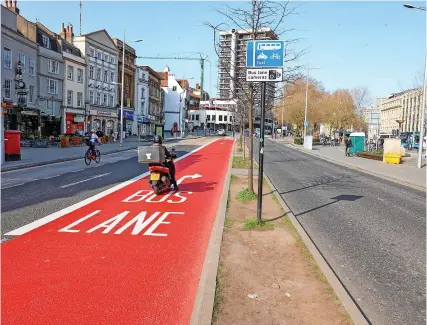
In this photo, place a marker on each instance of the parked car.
(221, 132)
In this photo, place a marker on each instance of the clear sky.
(378, 45)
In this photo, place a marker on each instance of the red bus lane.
(130, 257)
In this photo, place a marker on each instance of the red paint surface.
(51, 277)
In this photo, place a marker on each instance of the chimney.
(67, 33)
(12, 6)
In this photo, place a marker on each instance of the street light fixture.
(123, 83)
(423, 104)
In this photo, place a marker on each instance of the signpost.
(264, 63)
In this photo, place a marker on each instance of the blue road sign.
(265, 54)
(306, 123)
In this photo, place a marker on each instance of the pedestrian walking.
(347, 146)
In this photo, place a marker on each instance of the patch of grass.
(233, 178)
(228, 223)
(240, 162)
(252, 224)
(245, 196)
(218, 295)
(239, 149)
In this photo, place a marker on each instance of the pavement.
(370, 230)
(31, 157)
(406, 173)
(95, 246)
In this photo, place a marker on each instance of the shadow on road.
(343, 197)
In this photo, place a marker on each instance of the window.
(98, 98)
(52, 86)
(208, 117)
(31, 94)
(92, 72)
(105, 100)
(106, 57)
(21, 58)
(53, 66)
(50, 107)
(80, 75)
(220, 118)
(112, 60)
(99, 55)
(111, 100)
(225, 118)
(112, 77)
(91, 97)
(70, 98)
(105, 76)
(70, 72)
(7, 58)
(7, 88)
(174, 88)
(197, 117)
(46, 41)
(31, 66)
(142, 93)
(92, 52)
(98, 74)
(79, 99)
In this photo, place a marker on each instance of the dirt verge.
(266, 275)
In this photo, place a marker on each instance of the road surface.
(121, 256)
(371, 231)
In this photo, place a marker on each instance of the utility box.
(151, 155)
(357, 142)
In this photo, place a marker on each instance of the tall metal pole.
(423, 110)
(261, 155)
(202, 79)
(80, 18)
(306, 101)
(123, 89)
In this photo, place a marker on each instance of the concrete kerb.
(60, 160)
(204, 302)
(386, 177)
(356, 314)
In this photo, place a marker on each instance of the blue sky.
(378, 45)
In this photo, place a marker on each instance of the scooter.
(160, 179)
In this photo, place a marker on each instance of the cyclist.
(93, 138)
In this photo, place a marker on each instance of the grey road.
(33, 193)
(371, 231)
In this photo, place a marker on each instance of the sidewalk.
(406, 173)
(32, 157)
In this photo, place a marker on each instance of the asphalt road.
(32, 193)
(371, 231)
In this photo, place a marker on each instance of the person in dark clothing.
(347, 146)
(158, 141)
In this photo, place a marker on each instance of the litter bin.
(357, 142)
(12, 145)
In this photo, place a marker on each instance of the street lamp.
(423, 104)
(306, 97)
(123, 83)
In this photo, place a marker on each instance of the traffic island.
(266, 274)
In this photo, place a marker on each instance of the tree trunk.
(251, 144)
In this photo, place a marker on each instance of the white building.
(373, 118)
(74, 115)
(217, 114)
(174, 104)
(101, 55)
(141, 122)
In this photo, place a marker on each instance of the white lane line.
(329, 174)
(85, 180)
(78, 170)
(51, 217)
(3, 188)
(51, 176)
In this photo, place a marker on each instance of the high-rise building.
(232, 66)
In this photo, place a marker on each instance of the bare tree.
(253, 18)
(418, 80)
(361, 97)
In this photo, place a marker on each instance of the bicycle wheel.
(98, 156)
(88, 159)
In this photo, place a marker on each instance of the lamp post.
(423, 104)
(123, 83)
(306, 98)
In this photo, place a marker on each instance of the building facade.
(50, 75)
(19, 76)
(129, 84)
(373, 118)
(215, 114)
(101, 55)
(74, 111)
(404, 107)
(232, 66)
(155, 107)
(141, 123)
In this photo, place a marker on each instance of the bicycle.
(89, 157)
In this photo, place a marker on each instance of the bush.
(298, 141)
(316, 140)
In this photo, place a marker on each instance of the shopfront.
(30, 123)
(128, 116)
(74, 123)
(106, 121)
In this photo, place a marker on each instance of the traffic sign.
(306, 123)
(265, 54)
(257, 75)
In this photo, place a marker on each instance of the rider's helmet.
(157, 139)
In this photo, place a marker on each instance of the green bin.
(357, 142)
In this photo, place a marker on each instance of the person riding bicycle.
(93, 138)
(158, 142)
